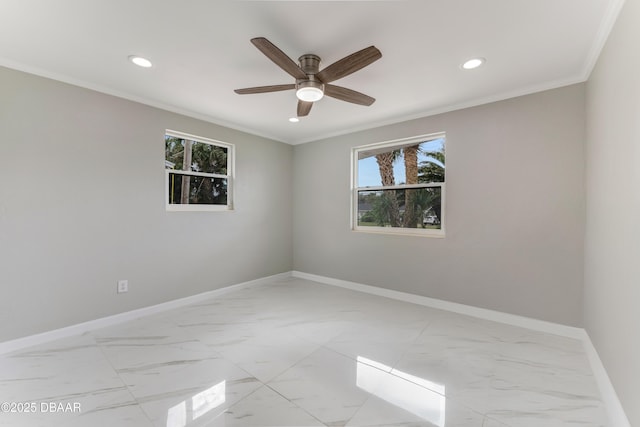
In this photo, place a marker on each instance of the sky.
(369, 174)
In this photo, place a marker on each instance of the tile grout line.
(104, 354)
(293, 403)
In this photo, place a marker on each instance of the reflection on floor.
(419, 396)
(297, 353)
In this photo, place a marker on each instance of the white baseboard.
(81, 328)
(615, 412)
(482, 313)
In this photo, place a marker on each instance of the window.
(398, 186)
(199, 175)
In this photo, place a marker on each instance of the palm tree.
(410, 219)
(385, 165)
(433, 170)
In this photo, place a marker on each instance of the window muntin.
(198, 173)
(398, 186)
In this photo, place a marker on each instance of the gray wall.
(514, 210)
(82, 205)
(612, 247)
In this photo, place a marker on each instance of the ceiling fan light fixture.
(309, 94)
(309, 91)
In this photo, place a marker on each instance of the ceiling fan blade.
(264, 89)
(349, 64)
(278, 57)
(304, 108)
(349, 95)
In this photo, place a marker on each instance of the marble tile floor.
(298, 353)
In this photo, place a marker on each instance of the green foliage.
(368, 217)
(384, 207)
(209, 158)
(432, 169)
(174, 151)
(206, 158)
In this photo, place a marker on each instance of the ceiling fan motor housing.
(309, 63)
(309, 89)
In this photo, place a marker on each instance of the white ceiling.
(201, 52)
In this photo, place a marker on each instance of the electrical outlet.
(123, 286)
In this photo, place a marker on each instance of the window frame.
(229, 176)
(426, 232)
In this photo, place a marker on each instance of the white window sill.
(438, 234)
(198, 208)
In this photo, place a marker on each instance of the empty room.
(408, 213)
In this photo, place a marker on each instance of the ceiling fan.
(311, 83)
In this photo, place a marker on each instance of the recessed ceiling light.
(140, 61)
(294, 119)
(473, 63)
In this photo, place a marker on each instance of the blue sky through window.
(369, 174)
